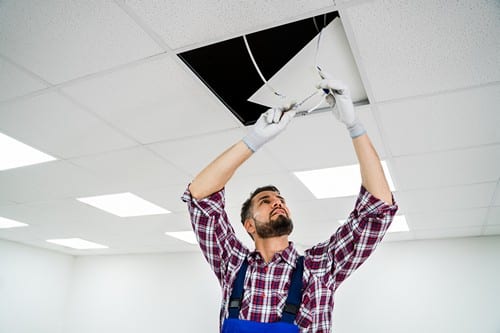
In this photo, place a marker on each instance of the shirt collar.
(289, 255)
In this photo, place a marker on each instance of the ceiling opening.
(282, 54)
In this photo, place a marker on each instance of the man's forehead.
(264, 194)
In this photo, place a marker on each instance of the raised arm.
(372, 174)
(215, 176)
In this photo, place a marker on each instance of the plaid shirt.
(326, 264)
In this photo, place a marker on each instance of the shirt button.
(265, 269)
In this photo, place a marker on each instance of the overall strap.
(294, 294)
(237, 293)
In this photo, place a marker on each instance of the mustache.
(278, 208)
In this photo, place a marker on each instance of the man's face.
(271, 215)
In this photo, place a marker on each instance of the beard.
(280, 226)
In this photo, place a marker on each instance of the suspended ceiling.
(100, 86)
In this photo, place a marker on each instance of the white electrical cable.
(258, 70)
(315, 63)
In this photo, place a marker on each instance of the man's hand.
(268, 126)
(339, 99)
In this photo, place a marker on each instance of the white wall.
(33, 288)
(424, 286)
(143, 293)
(421, 286)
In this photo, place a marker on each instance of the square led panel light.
(186, 236)
(6, 223)
(336, 182)
(124, 205)
(398, 224)
(16, 154)
(77, 243)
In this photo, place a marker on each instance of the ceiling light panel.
(186, 236)
(6, 223)
(77, 243)
(336, 182)
(124, 205)
(17, 154)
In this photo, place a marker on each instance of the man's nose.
(277, 203)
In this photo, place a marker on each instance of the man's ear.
(249, 225)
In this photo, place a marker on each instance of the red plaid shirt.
(326, 264)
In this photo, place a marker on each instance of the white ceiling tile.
(182, 23)
(54, 125)
(492, 230)
(168, 197)
(193, 154)
(448, 233)
(153, 101)
(238, 189)
(309, 233)
(399, 236)
(64, 214)
(62, 40)
(15, 82)
(494, 216)
(311, 211)
(446, 198)
(131, 169)
(447, 121)
(409, 48)
(46, 181)
(456, 167)
(447, 219)
(496, 201)
(320, 141)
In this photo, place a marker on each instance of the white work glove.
(268, 126)
(339, 99)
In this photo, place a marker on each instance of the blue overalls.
(234, 325)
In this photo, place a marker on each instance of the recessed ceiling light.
(6, 223)
(336, 182)
(124, 205)
(398, 224)
(77, 243)
(186, 236)
(17, 154)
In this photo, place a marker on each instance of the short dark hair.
(245, 208)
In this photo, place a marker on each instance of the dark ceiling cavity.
(227, 69)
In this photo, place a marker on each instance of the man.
(259, 287)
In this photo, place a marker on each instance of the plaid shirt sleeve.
(214, 233)
(354, 241)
